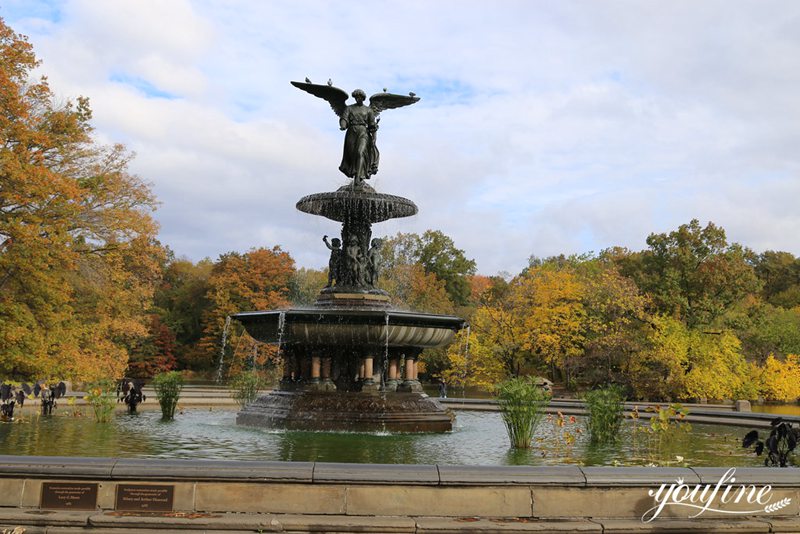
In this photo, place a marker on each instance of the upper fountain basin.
(357, 204)
(367, 328)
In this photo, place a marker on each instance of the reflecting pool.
(479, 438)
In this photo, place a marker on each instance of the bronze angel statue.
(360, 156)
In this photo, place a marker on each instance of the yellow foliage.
(778, 380)
(473, 363)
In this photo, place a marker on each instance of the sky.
(543, 127)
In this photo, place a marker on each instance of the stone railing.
(141, 494)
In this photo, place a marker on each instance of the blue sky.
(544, 127)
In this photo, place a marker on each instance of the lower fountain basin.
(351, 412)
(351, 327)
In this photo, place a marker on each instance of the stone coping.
(54, 467)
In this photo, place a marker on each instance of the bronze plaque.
(144, 498)
(69, 496)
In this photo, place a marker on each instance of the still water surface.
(479, 438)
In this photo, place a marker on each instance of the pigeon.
(412, 94)
(307, 80)
(330, 82)
(385, 90)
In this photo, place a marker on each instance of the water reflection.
(477, 439)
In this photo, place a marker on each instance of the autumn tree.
(256, 280)
(306, 285)
(437, 254)
(78, 258)
(616, 313)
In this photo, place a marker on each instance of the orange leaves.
(256, 280)
(79, 260)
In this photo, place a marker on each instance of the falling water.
(222, 348)
(385, 371)
(281, 322)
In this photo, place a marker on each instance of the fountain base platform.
(347, 411)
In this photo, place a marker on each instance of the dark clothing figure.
(374, 262)
(335, 261)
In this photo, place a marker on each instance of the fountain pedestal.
(349, 411)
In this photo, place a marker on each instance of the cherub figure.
(374, 262)
(354, 262)
(360, 156)
(335, 261)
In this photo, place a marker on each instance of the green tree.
(780, 274)
(181, 301)
(694, 274)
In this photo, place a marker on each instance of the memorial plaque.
(69, 496)
(144, 498)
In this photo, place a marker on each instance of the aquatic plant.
(244, 387)
(100, 397)
(780, 444)
(522, 403)
(604, 407)
(168, 388)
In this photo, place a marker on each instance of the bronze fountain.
(350, 361)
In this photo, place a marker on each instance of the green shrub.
(522, 405)
(168, 388)
(100, 396)
(604, 407)
(244, 387)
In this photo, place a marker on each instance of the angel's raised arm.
(335, 96)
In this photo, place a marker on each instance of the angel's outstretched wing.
(335, 96)
(380, 101)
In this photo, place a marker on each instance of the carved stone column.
(327, 384)
(411, 384)
(316, 367)
(368, 384)
(392, 379)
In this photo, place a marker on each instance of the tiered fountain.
(350, 361)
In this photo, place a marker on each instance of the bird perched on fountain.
(330, 82)
(307, 80)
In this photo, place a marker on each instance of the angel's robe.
(360, 155)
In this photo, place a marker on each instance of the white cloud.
(543, 127)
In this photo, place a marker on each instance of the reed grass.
(522, 405)
(604, 407)
(168, 388)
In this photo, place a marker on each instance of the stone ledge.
(467, 475)
(451, 525)
(153, 469)
(417, 474)
(218, 523)
(55, 468)
(637, 476)
(678, 526)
